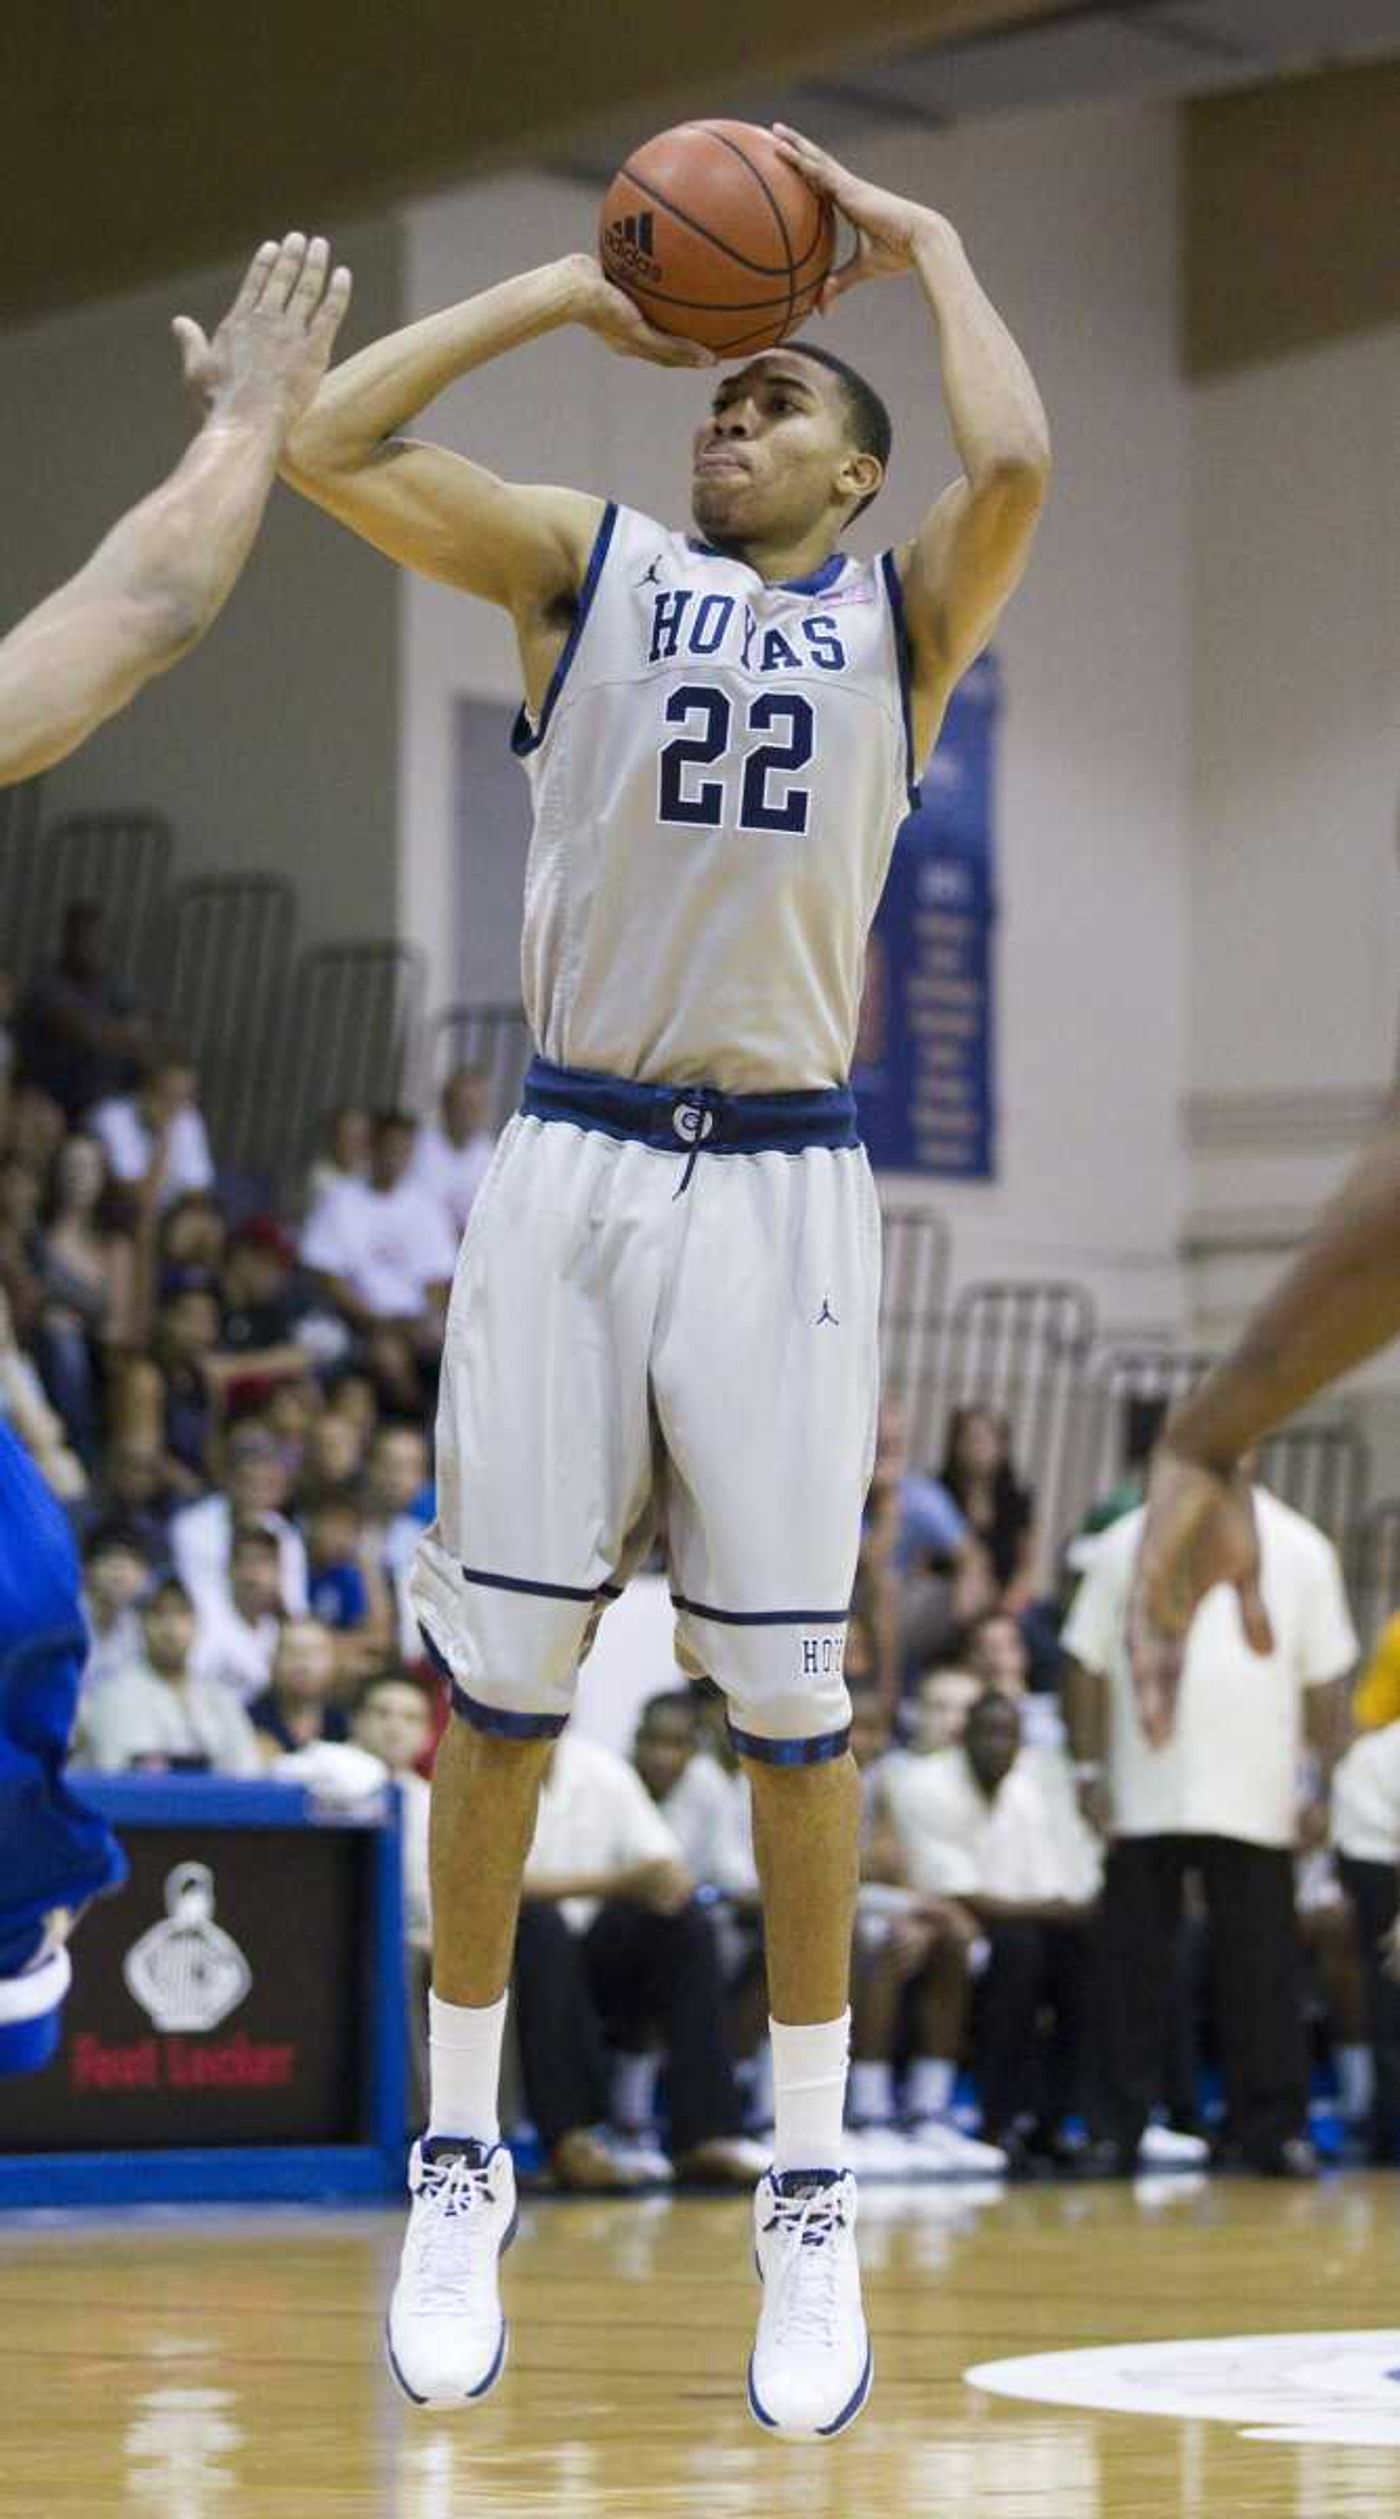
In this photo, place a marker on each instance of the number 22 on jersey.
(750, 788)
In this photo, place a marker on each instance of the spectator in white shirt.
(382, 1250)
(612, 1947)
(157, 1134)
(911, 1984)
(201, 1535)
(236, 1638)
(1219, 1800)
(156, 1715)
(453, 1158)
(116, 1572)
(1366, 1835)
(393, 1720)
(984, 1825)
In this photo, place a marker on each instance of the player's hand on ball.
(273, 347)
(610, 313)
(887, 227)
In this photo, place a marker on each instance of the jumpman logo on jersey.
(826, 1314)
(653, 575)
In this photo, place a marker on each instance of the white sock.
(633, 2091)
(464, 2068)
(872, 2091)
(928, 2086)
(809, 2093)
(1356, 2082)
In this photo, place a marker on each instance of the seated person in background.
(911, 1982)
(398, 1494)
(155, 1138)
(998, 1509)
(452, 1159)
(996, 1652)
(156, 1714)
(261, 1311)
(88, 1292)
(344, 1153)
(193, 1233)
(298, 1705)
(942, 1702)
(978, 1825)
(79, 1037)
(1365, 1827)
(704, 1800)
(393, 1720)
(183, 1346)
(136, 1492)
(116, 1573)
(201, 1536)
(235, 1640)
(333, 1458)
(381, 1250)
(612, 1947)
(937, 1569)
(347, 1592)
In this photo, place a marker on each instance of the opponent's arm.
(434, 511)
(153, 586)
(1336, 1306)
(971, 550)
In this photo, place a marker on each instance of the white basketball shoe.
(446, 2331)
(811, 2366)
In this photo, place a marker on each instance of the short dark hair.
(256, 1535)
(870, 422)
(669, 1701)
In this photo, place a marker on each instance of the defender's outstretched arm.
(154, 585)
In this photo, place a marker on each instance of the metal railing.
(495, 1039)
(913, 1308)
(119, 860)
(226, 999)
(353, 1037)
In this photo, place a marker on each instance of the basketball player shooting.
(144, 598)
(669, 1290)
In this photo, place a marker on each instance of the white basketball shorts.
(641, 1340)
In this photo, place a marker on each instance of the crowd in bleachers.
(1063, 1941)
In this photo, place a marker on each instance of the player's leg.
(543, 1464)
(765, 1386)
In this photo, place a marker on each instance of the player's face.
(772, 456)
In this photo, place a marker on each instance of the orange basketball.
(714, 236)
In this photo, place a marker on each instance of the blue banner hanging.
(925, 1065)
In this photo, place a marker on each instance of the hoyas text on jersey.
(687, 623)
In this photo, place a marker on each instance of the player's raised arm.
(970, 551)
(153, 586)
(435, 511)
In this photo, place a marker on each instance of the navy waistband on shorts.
(691, 1119)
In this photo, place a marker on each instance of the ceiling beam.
(156, 135)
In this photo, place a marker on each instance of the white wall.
(1295, 888)
(275, 744)
(1070, 218)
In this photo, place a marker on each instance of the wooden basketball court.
(207, 2365)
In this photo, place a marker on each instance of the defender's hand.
(1200, 1531)
(887, 227)
(610, 313)
(273, 347)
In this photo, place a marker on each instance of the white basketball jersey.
(718, 774)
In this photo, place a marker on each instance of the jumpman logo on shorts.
(826, 1314)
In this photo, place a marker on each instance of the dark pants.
(1257, 1985)
(1033, 1968)
(1374, 1891)
(631, 1976)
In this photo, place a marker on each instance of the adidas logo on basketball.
(630, 246)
